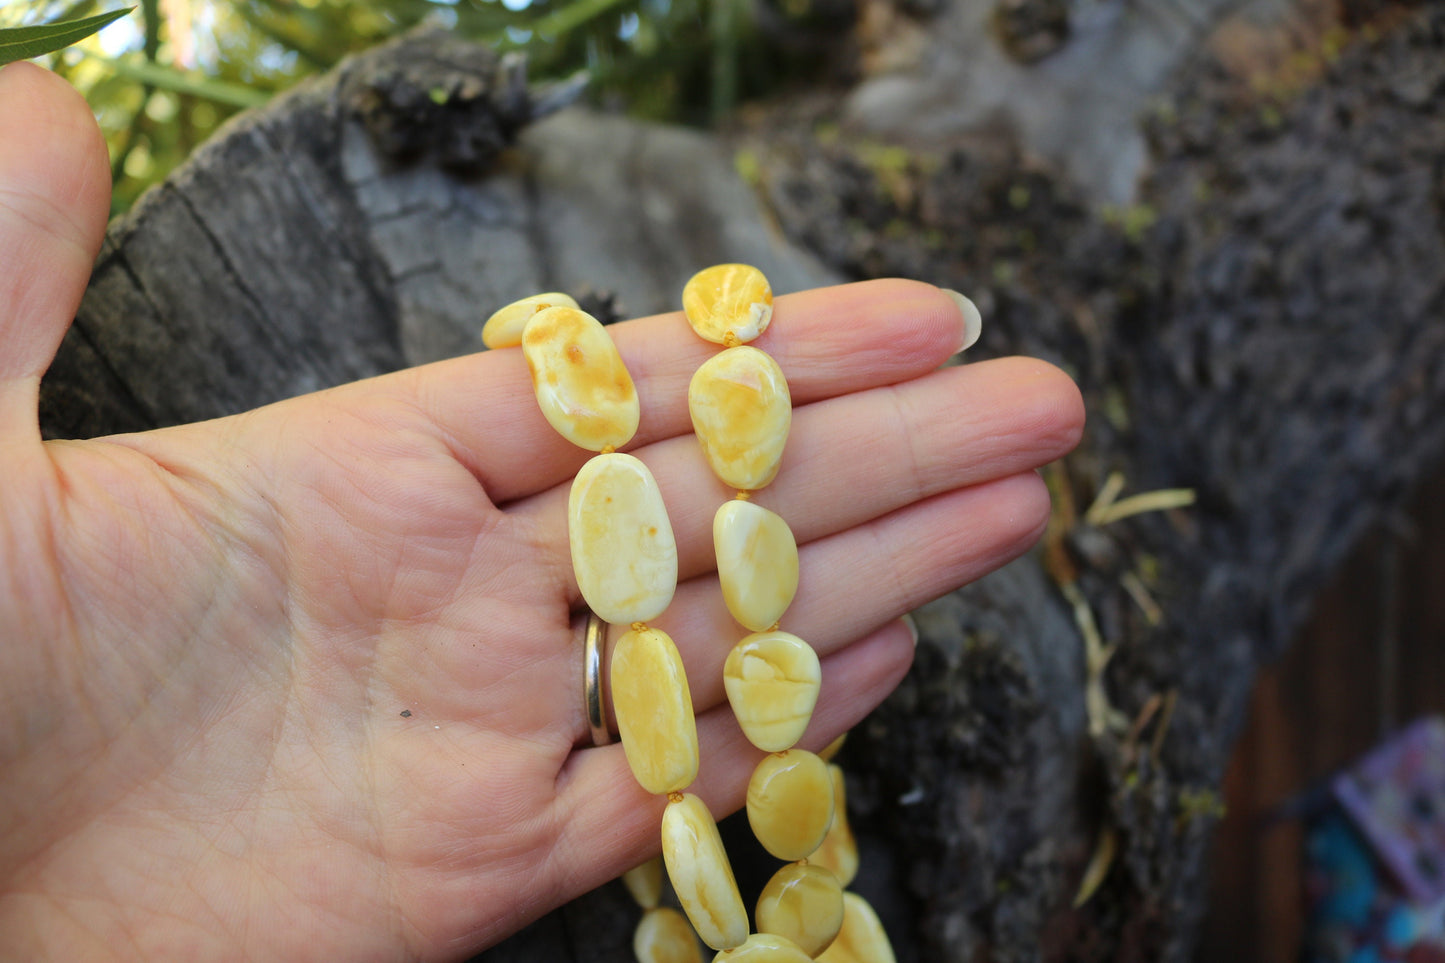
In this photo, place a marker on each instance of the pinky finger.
(610, 823)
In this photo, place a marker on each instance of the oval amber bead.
(504, 328)
(764, 948)
(757, 562)
(645, 882)
(701, 876)
(664, 936)
(862, 938)
(623, 551)
(728, 299)
(790, 803)
(803, 903)
(839, 851)
(741, 410)
(654, 710)
(582, 386)
(772, 681)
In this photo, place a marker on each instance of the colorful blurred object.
(1375, 856)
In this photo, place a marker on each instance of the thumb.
(54, 199)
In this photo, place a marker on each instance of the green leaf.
(22, 43)
(562, 20)
(169, 78)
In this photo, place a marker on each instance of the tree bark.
(1252, 309)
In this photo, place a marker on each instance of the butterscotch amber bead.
(701, 875)
(623, 551)
(582, 386)
(741, 410)
(790, 803)
(728, 303)
(764, 948)
(832, 748)
(757, 562)
(664, 936)
(803, 903)
(645, 882)
(654, 710)
(839, 851)
(862, 939)
(504, 328)
(772, 681)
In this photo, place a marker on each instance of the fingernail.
(972, 320)
(908, 620)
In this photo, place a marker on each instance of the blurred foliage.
(165, 77)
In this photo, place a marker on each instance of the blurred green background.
(163, 78)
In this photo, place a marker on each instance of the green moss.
(745, 162)
(1199, 803)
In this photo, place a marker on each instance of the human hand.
(208, 634)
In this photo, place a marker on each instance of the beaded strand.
(741, 412)
(624, 557)
(625, 560)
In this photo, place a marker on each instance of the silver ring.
(594, 640)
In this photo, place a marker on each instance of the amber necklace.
(625, 561)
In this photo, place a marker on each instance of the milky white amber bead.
(664, 936)
(504, 328)
(862, 939)
(839, 851)
(728, 299)
(741, 410)
(701, 876)
(654, 710)
(645, 882)
(757, 562)
(623, 552)
(582, 386)
(790, 803)
(764, 948)
(772, 681)
(803, 903)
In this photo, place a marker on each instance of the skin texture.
(208, 634)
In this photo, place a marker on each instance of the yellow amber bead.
(772, 681)
(701, 876)
(831, 749)
(764, 948)
(582, 386)
(623, 551)
(803, 903)
(728, 299)
(645, 882)
(862, 939)
(741, 410)
(504, 328)
(654, 710)
(790, 803)
(664, 936)
(839, 852)
(757, 562)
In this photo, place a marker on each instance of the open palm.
(305, 683)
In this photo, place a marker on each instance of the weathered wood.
(291, 253)
(1262, 326)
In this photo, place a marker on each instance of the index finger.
(828, 341)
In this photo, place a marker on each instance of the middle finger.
(856, 458)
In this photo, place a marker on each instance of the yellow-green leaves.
(22, 43)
